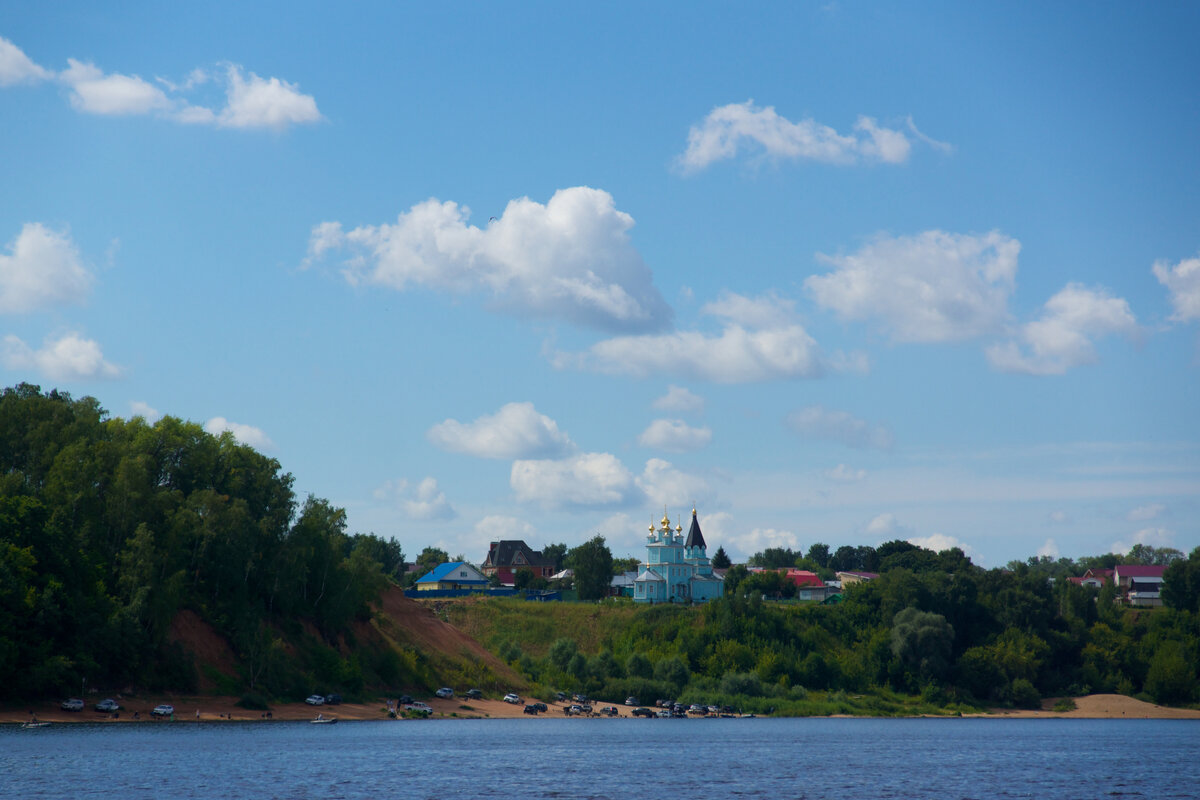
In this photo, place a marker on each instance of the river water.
(623, 759)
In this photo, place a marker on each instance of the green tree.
(1171, 678)
(592, 563)
(720, 560)
(1181, 583)
(556, 553)
(819, 553)
(922, 642)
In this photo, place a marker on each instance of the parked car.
(315, 700)
(631, 701)
(445, 693)
(643, 712)
(420, 707)
(406, 699)
(333, 699)
(541, 706)
(531, 709)
(164, 710)
(474, 694)
(108, 705)
(561, 696)
(74, 704)
(610, 711)
(512, 698)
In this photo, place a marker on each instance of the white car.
(512, 698)
(445, 693)
(108, 705)
(74, 704)
(164, 710)
(315, 700)
(419, 706)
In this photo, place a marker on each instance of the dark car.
(541, 707)
(643, 712)
(473, 694)
(333, 699)
(631, 701)
(531, 709)
(108, 705)
(406, 699)
(560, 697)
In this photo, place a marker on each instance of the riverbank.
(210, 709)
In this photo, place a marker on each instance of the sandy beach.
(224, 710)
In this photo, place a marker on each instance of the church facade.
(676, 570)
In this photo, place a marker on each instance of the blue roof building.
(676, 570)
(452, 575)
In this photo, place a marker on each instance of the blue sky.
(831, 272)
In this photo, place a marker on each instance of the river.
(622, 759)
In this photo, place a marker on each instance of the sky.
(826, 272)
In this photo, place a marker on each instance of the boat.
(35, 724)
(321, 719)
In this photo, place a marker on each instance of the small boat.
(35, 724)
(320, 719)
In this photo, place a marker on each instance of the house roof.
(1139, 571)
(802, 578)
(695, 538)
(866, 576)
(515, 553)
(441, 571)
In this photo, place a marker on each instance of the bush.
(1064, 705)
(743, 683)
(253, 701)
(1025, 695)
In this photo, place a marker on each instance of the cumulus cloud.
(569, 259)
(421, 501)
(1049, 549)
(43, 270)
(1059, 517)
(886, 526)
(1146, 512)
(16, 67)
(678, 398)
(250, 101)
(246, 434)
(818, 422)
(254, 102)
(145, 411)
(68, 357)
(1183, 282)
(1062, 337)
(583, 480)
(731, 127)
(940, 541)
(846, 474)
(932, 287)
(759, 539)
(517, 430)
(674, 435)
(748, 349)
(495, 528)
(661, 482)
(1153, 537)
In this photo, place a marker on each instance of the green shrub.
(1025, 695)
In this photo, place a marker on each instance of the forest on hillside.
(109, 527)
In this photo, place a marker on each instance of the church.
(676, 570)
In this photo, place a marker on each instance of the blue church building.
(676, 570)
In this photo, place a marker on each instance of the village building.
(676, 570)
(452, 575)
(505, 557)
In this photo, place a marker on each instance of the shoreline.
(218, 709)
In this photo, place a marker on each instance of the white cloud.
(674, 435)
(246, 434)
(94, 92)
(1049, 549)
(1146, 512)
(587, 479)
(256, 102)
(844, 473)
(729, 127)
(933, 287)
(43, 270)
(817, 422)
(940, 541)
(424, 501)
(662, 483)
(1062, 337)
(16, 67)
(495, 528)
(250, 101)
(145, 411)
(1183, 282)
(1059, 517)
(517, 430)
(569, 259)
(757, 540)
(751, 347)
(678, 398)
(1154, 537)
(67, 358)
(886, 526)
